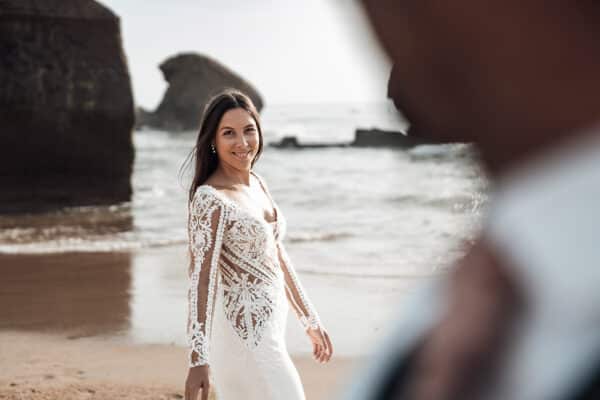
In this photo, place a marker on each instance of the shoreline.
(141, 297)
(111, 325)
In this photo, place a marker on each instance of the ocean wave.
(317, 237)
(442, 152)
(65, 239)
(374, 275)
(74, 245)
(457, 203)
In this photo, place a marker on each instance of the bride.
(240, 273)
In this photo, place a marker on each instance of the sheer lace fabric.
(239, 261)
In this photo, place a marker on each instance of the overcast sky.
(293, 51)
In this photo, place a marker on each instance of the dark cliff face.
(66, 106)
(192, 79)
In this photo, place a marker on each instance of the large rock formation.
(193, 79)
(66, 106)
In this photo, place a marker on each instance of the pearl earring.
(212, 148)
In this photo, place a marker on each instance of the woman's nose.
(242, 140)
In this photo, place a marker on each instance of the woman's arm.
(295, 292)
(205, 229)
(322, 347)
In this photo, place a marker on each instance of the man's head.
(467, 70)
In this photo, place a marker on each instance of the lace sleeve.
(295, 293)
(205, 231)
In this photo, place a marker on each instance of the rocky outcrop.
(192, 79)
(291, 142)
(362, 138)
(381, 138)
(66, 106)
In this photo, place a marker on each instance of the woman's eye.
(250, 130)
(227, 133)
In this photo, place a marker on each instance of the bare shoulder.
(213, 181)
(219, 186)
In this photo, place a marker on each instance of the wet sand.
(140, 297)
(75, 326)
(111, 325)
(78, 293)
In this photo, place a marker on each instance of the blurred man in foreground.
(520, 317)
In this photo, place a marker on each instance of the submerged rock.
(193, 79)
(362, 138)
(382, 138)
(291, 142)
(66, 106)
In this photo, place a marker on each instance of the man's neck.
(508, 150)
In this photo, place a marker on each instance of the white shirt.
(545, 221)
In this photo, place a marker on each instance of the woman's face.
(237, 139)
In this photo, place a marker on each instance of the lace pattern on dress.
(248, 305)
(248, 276)
(246, 255)
(202, 232)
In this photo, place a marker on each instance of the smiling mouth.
(242, 155)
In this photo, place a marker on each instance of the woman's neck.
(233, 176)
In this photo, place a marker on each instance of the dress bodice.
(244, 254)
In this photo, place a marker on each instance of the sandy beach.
(110, 325)
(49, 366)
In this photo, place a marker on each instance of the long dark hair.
(204, 160)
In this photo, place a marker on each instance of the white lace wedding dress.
(240, 277)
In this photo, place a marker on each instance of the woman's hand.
(198, 378)
(322, 348)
